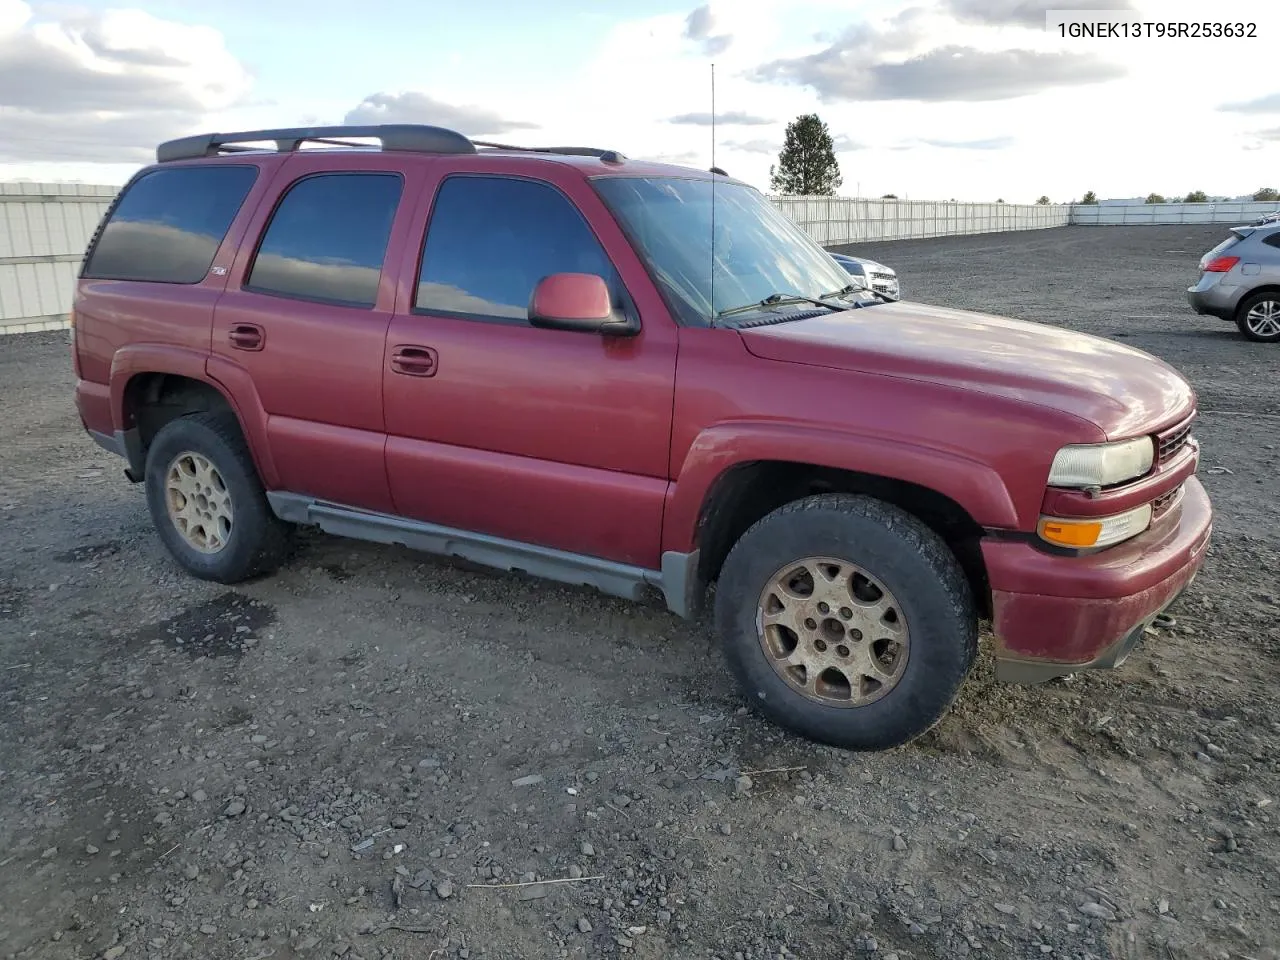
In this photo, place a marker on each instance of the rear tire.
(881, 643)
(1258, 317)
(207, 502)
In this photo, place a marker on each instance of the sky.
(927, 99)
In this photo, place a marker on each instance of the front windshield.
(759, 251)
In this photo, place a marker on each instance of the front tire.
(207, 502)
(1258, 317)
(846, 620)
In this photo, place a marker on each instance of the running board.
(675, 580)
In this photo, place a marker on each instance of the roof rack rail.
(607, 156)
(409, 137)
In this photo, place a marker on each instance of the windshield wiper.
(776, 299)
(842, 292)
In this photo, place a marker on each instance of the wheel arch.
(150, 387)
(748, 491)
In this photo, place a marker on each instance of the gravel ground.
(350, 757)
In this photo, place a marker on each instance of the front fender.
(973, 485)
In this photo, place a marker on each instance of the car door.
(549, 437)
(306, 312)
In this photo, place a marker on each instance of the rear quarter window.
(168, 224)
(1273, 240)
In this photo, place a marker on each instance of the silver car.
(1240, 280)
(869, 275)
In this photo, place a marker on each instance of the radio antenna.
(713, 193)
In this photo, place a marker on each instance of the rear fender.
(232, 382)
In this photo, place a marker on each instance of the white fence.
(1234, 211)
(45, 227)
(837, 220)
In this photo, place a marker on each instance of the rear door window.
(168, 225)
(328, 238)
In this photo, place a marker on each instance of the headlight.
(1101, 464)
(1097, 531)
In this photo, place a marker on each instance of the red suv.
(633, 376)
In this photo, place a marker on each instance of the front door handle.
(247, 336)
(414, 361)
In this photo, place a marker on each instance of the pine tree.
(807, 164)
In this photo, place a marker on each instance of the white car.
(870, 275)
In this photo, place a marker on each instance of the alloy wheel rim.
(199, 502)
(1263, 319)
(832, 632)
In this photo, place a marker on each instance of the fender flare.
(975, 486)
(232, 383)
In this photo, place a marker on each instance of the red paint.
(1069, 612)
(610, 446)
(571, 296)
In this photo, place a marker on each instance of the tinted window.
(168, 225)
(1273, 240)
(328, 238)
(490, 241)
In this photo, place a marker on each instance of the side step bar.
(676, 580)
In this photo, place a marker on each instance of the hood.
(1125, 392)
(863, 261)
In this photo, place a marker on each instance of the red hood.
(1122, 390)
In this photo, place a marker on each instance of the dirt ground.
(349, 757)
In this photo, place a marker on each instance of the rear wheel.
(207, 502)
(1258, 317)
(846, 620)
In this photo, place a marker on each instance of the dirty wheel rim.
(831, 631)
(1264, 319)
(199, 502)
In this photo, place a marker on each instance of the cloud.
(1022, 13)
(841, 142)
(1268, 104)
(698, 27)
(107, 86)
(991, 143)
(413, 107)
(866, 64)
(726, 119)
(1271, 134)
(752, 146)
(683, 159)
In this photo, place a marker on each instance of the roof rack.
(411, 137)
(607, 156)
(407, 137)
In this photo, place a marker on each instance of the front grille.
(1164, 503)
(1170, 443)
(883, 276)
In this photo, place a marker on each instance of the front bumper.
(1055, 615)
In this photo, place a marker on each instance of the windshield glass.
(759, 251)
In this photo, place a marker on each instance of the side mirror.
(578, 301)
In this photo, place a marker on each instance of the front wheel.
(846, 620)
(1258, 317)
(207, 502)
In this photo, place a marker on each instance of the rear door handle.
(414, 361)
(247, 336)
